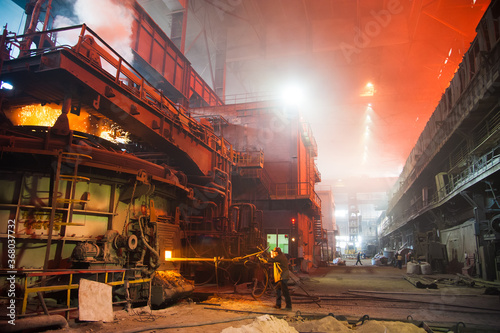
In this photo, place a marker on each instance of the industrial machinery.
(105, 178)
(429, 249)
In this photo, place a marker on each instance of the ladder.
(73, 159)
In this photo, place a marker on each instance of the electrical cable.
(144, 317)
(265, 284)
(389, 299)
(299, 298)
(165, 327)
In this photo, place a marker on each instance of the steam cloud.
(110, 19)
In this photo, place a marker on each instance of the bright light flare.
(339, 213)
(368, 90)
(359, 242)
(293, 95)
(46, 115)
(6, 85)
(168, 254)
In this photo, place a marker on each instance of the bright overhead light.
(368, 90)
(293, 94)
(6, 85)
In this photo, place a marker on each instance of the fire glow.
(46, 115)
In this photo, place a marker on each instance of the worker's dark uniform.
(281, 276)
(359, 259)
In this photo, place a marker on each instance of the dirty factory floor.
(354, 296)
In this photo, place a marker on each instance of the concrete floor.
(384, 293)
(352, 291)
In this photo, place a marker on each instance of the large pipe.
(35, 15)
(45, 24)
(36, 323)
(208, 189)
(153, 251)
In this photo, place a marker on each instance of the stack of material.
(413, 268)
(416, 268)
(421, 282)
(425, 268)
(379, 260)
(339, 262)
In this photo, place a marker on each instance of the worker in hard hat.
(281, 276)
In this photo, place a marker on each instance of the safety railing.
(69, 285)
(260, 174)
(309, 139)
(303, 190)
(317, 174)
(478, 167)
(249, 97)
(248, 159)
(448, 116)
(89, 47)
(469, 175)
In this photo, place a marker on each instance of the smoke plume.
(110, 19)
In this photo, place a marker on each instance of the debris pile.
(379, 259)
(328, 324)
(421, 282)
(338, 262)
(263, 323)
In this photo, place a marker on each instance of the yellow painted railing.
(70, 285)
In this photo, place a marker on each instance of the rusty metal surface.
(48, 77)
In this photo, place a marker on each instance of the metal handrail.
(308, 137)
(70, 285)
(317, 172)
(250, 97)
(250, 159)
(444, 121)
(296, 191)
(456, 181)
(110, 63)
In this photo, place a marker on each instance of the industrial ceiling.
(371, 71)
(407, 49)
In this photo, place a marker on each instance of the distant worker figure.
(359, 259)
(281, 276)
(399, 258)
